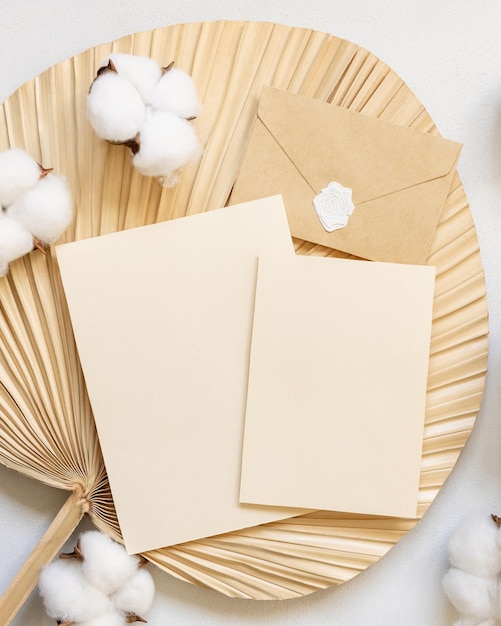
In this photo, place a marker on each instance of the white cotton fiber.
(136, 595)
(471, 595)
(18, 172)
(15, 241)
(176, 93)
(166, 143)
(111, 618)
(46, 209)
(142, 72)
(67, 595)
(474, 546)
(114, 108)
(105, 564)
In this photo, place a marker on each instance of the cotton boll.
(46, 210)
(136, 595)
(67, 594)
(167, 142)
(18, 172)
(473, 546)
(176, 93)
(471, 595)
(105, 563)
(15, 241)
(114, 108)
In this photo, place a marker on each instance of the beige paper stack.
(163, 316)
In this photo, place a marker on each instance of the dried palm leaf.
(46, 425)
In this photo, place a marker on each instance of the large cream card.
(336, 397)
(162, 317)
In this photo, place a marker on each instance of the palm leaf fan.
(46, 425)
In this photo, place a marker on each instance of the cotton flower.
(472, 584)
(15, 241)
(475, 546)
(46, 209)
(36, 206)
(176, 93)
(142, 72)
(166, 142)
(135, 102)
(68, 596)
(114, 107)
(135, 597)
(105, 563)
(98, 584)
(19, 172)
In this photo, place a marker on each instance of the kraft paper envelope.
(400, 177)
(162, 316)
(337, 384)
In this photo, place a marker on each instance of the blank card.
(162, 317)
(337, 386)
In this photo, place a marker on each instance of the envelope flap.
(374, 157)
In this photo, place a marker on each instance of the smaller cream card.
(337, 385)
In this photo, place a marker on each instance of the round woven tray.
(46, 426)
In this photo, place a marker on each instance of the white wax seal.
(334, 206)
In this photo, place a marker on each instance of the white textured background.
(449, 54)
